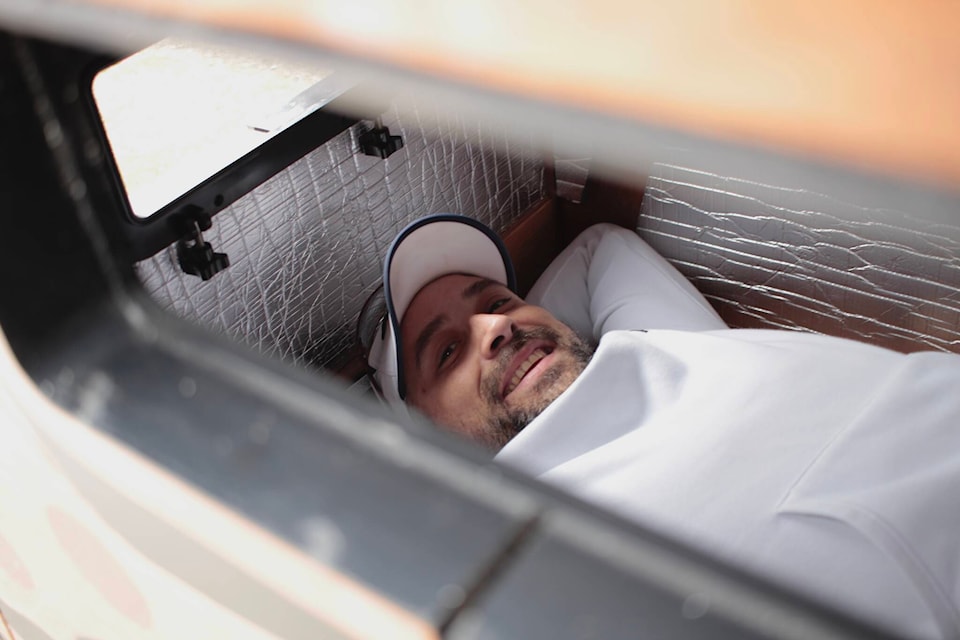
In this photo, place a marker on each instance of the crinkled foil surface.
(790, 256)
(306, 247)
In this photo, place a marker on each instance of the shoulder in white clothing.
(609, 279)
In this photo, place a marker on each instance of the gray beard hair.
(508, 422)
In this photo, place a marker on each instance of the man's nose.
(493, 331)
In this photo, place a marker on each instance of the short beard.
(508, 422)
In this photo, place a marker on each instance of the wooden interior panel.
(604, 200)
(533, 242)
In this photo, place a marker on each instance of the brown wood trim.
(549, 176)
(352, 366)
(533, 242)
(604, 200)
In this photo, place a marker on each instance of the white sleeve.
(608, 278)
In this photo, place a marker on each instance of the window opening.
(179, 111)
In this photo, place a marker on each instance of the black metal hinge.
(195, 256)
(378, 141)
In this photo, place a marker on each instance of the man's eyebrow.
(425, 335)
(476, 287)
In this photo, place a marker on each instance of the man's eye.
(446, 353)
(497, 304)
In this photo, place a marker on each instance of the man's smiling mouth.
(524, 367)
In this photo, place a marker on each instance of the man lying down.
(822, 463)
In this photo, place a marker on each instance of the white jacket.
(825, 464)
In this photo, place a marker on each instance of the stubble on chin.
(507, 421)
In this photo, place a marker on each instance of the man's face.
(481, 361)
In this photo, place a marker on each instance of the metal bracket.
(195, 256)
(378, 141)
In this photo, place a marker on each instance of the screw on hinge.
(378, 141)
(195, 256)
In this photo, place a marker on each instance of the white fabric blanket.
(825, 464)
